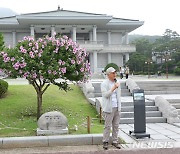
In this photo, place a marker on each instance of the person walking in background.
(127, 72)
(111, 107)
(121, 72)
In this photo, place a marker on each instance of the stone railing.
(119, 48)
(100, 45)
(88, 89)
(168, 111)
(91, 45)
(131, 84)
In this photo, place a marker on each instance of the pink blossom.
(55, 51)
(30, 44)
(23, 65)
(72, 61)
(6, 59)
(40, 39)
(23, 50)
(20, 71)
(54, 72)
(2, 53)
(78, 62)
(16, 66)
(65, 37)
(26, 74)
(21, 47)
(74, 50)
(31, 54)
(60, 62)
(30, 38)
(87, 66)
(82, 69)
(49, 71)
(36, 45)
(63, 70)
(12, 59)
(25, 38)
(5, 55)
(33, 48)
(39, 55)
(58, 43)
(67, 47)
(34, 76)
(63, 62)
(45, 43)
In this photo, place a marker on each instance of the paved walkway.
(88, 150)
(161, 135)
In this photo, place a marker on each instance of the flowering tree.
(43, 61)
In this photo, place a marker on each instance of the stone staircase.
(97, 89)
(176, 104)
(159, 87)
(162, 87)
(153, 115)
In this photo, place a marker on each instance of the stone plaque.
(52, 123)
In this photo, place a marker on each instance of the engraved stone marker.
(52, 123)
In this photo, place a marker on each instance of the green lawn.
(18, 110)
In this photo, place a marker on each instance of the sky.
(158, 15)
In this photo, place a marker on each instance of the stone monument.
(52, 123)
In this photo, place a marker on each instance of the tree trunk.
(40, 91)
(39, 104)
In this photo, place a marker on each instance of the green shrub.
(112, 65)
(3, 87)
(177, 71)
(140, 73)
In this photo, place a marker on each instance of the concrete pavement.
(96, 149)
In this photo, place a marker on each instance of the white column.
(90, 36)
(53, 31)
(109, 37)
(91, 61)
(121, 60)
(95, 61)
(109, 58)
(126, 38)
(32, 31)
(14, 38)
(74, 33)
(94, 33)
(126, 57)
(121, 39)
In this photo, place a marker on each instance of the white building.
(104, 37)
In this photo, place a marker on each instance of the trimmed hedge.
(112, 65)
(177, 71)
(3, 87)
